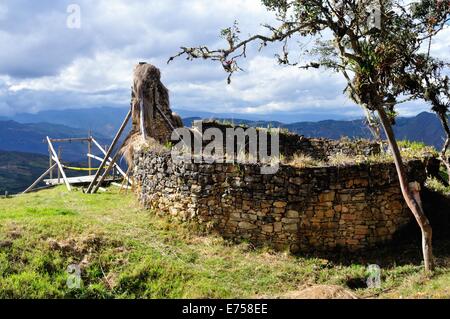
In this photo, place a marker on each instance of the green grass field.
(127, 252)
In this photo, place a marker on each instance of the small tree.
(370, 42)
(426, 79)
(427, 82)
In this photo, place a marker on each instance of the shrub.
(435, 185)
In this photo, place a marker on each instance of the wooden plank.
(70, 140)
(50, 162)
(72, 180)
(77, 180)
(90, 151)
(39, 179)
(59, 156)
(59, 164)
(116, 139)
(116, 165)
(97, 158)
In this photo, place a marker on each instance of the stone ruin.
(311, 208)
(298, 208)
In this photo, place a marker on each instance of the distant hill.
(30, 138)
(106, 120)
(424, 127)
(188, 121)
(18, 170)
(327, 129)
(24, 154)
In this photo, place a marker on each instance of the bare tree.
(370, 42)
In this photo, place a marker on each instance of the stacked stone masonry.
(303, 209)
(293, 144)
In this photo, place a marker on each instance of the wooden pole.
(50, 162)
(39, 179)
(107, 149)
(108, 168)
(69, 140)
(109, 159)
(89, 152)
(59, 164)
(116, 139)
(59, 156)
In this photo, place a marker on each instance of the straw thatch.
(152, 119)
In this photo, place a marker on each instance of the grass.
(409, 151)
(437, 186)
(414, 150)
(301, 161)
(127, 252)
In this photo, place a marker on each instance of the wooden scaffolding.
(55, 162)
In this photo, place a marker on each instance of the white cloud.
(103, 71)
(441, 44)
(46, 65)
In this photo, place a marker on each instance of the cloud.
(49, 66)
(268, 88)
(441, 44)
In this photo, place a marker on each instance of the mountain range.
(425, 127)
(24, 154)
(25, 132)
(31, 138)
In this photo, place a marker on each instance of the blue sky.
(45, 65)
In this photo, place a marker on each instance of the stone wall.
(323, 208)
(292, 144)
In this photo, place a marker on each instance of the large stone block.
(247, 225)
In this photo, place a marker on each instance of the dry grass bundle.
(301, 160)
(135, 142)
(149, 99)
(341, 159)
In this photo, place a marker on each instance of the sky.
(51, 60)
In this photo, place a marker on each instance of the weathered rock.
(247, 225)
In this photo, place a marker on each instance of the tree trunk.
(444, 158)
(413, 204)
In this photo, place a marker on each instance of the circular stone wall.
(324, 208)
